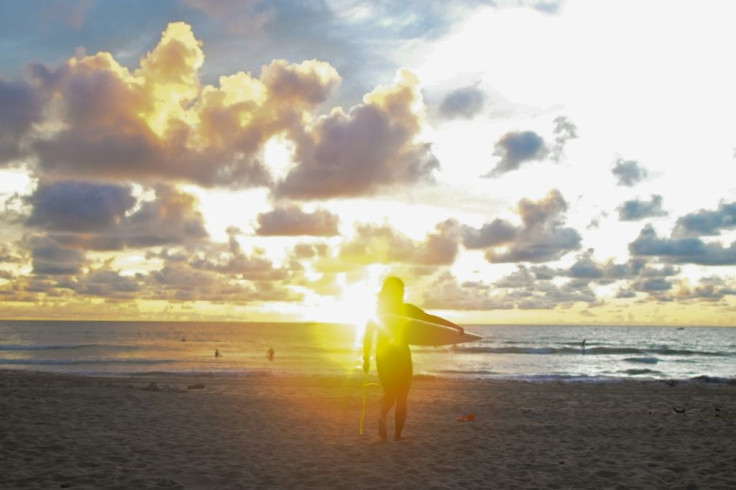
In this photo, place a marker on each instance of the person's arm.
(368, 345)
(418, 313)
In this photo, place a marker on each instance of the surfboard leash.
(366, 384)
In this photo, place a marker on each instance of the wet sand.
(61, 431)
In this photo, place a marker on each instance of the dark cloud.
(89, 216)
(107, 283)
(541, 287)
(625, 293)
(586, 268)
(637, 209)
(373, 146)
(219, 272)
(515, 148)
(628, 172)
(707, 288)
(49, 257)
(652, 285)
(446, 293)
(543, 272)
(542, 238)
(563, 295)
(494, 233)
(707, 223)
(532, 288)
(682, 250)
(20, 109)
(292, 221)
(254, 267)
(173, 217)
(79, 206)
(465, 103)
(521, 278)
(442, 246)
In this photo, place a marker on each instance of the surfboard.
(419, 332)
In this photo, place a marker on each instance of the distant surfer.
(217, 352)
(270, 354)
(582, 345)
(393, 357)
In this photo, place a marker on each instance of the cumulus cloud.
(707, 223)
(465, 103)
(515, 148)
(79, 206)
(628, 172)
(293, 221)
(88, 216)
(160, 122)
(303, 251)
(173, 217)
(445, 292)
(20, 108)
(652, 285)
(107, 283)
(635, 210)
(682, 250)
(50, 257)
(374, 145)
(541, 237)
(532, 288)
(564, 130)
(496, 232)
(374, 244)
(585, 267)
(8, 255)
(707, 288)
(256, 267)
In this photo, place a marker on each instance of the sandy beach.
(60, 431)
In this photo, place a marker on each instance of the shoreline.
(449, 377)
(69, 431)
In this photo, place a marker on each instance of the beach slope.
(283, 432)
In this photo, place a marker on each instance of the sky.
(513, 161)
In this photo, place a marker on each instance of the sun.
(356, 304)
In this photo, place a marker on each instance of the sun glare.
(357, 302)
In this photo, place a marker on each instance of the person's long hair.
(391, 296)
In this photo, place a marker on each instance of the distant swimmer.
(270, 354)
(217, 352)
(582, 345)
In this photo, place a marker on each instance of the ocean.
(534, 353)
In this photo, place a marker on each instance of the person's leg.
(401, 409)
(387, 401)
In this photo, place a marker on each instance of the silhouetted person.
(582, 345)
(217, 352)
(393, 357)
(270, 354)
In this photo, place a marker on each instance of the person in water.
(393, 357)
